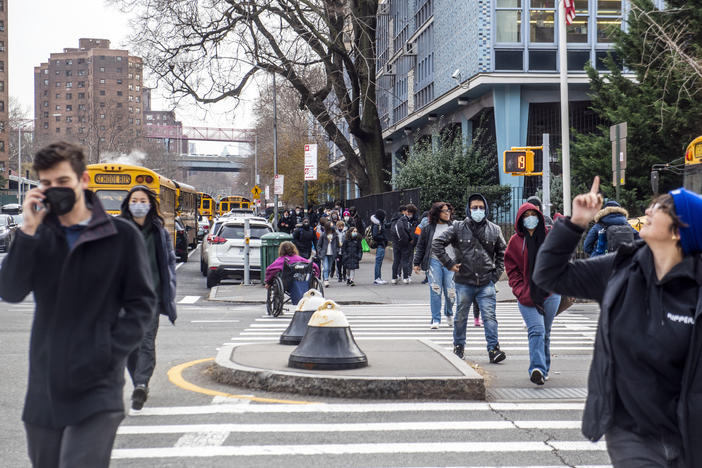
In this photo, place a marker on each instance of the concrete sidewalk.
(365, 292)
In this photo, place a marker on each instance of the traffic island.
(409, 369)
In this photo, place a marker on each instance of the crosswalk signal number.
(518, 162)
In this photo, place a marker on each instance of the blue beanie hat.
(688, 207)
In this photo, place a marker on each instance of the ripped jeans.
(440, 282)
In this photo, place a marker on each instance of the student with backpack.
(377, 240)
(351, 253)
(611, 230)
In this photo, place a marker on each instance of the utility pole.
(546, 174)
(19, 164)
(275, 151)
(565, 123)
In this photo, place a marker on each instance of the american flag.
(569, 11)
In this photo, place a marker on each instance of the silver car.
(225, 252)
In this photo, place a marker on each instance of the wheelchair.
(288, 286)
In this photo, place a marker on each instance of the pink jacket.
(277, 266)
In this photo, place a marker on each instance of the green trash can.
(269, 248)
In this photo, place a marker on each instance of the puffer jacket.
(608, 216)
(480, 249)
(603, 279)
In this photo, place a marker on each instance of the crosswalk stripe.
(189, 300)
(353, 427)
(330, 408)
(349, 449)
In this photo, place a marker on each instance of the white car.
(207, 241)
(225, 252)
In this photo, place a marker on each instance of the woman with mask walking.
(538, 307)
(141, 207)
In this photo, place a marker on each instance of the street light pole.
(275, 152)
(19, 164)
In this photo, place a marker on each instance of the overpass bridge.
(193, 162)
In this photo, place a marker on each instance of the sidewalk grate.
(542, 393)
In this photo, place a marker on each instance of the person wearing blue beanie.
(688, 207)
(645, 383)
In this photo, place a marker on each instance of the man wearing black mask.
(304, 238)
(94, 296)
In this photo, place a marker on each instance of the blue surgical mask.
(139, 210)
(477, 215)
(354, 234)
(530, 222)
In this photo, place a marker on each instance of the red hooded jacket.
(517, 257)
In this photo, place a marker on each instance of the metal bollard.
(247, 238)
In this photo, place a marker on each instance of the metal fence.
(388, 201)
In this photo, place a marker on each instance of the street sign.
(267, 192)
(256, 191)
(278, 184)
(311, 162)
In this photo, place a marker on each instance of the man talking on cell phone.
(94, 297)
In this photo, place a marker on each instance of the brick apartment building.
(91, 95)
(170, 130)
(4, 94)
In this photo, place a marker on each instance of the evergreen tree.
(661, 107)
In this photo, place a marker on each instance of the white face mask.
(530, 222)
(477, 215)
(139, 210)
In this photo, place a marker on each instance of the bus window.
(111, 199)
(205, 204)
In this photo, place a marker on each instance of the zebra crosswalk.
(476, 434)
(571, 331)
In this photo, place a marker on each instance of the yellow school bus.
(692, 172)
(207, 206)
(186, 210)
(233, 202)
(112, 181)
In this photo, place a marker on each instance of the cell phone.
(39, 207)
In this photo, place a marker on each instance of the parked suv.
(207, 242)
(7, 231)
(225, 256)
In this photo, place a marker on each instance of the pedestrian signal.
(519, 162)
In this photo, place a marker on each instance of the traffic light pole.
(546, 175)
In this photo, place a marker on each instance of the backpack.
(610, 238)
(368, 236)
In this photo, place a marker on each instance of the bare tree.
(210, 50)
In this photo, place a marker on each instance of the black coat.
(422, 254)
(351, 253)
(323, 243)
(92, 305)
(480, 249)
(304, 241)
(604, 278)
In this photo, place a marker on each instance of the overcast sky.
(39, 27)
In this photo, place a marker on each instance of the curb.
(468, 385)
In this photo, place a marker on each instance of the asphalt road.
(211, 425)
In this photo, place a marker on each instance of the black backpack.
(617, 235)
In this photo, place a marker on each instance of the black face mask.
(60, 200)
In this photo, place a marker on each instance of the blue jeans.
(539, 332)
(486, 297)
(440, 281)
(379, 256)
(328, 262)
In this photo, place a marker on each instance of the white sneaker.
(380, 281)
(326, 284)
(434, 325)
(406, 281)
(393, 281)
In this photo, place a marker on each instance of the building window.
(69, 119)
(81, 72)
(511, 60)
(81, 84)
(58, 95)
(58, 84)
(2, 106)
(58, 108)
(102, 92)
(102, 69)
(69, 107)
(609, 17)
(131, 109)
(119, 81)
(81, 95)
(69, 72)
(46, 82)
(138, 99)
(131, 98)
(138, 88)
(46, 124)
(69, 96)
(46, 115)
(138, 77)
(508, 19)
(102, 104)
(81, 107)
(102, 128)
(2, 46)
(81, 129)
(46, 103)
(80, 60)
(102, 81)
(578, 30)
(81, 119)
(2, 5)
(119, 58)
(69, 84)
(542, 60)
(69, 131)
(119, 105)
(102, 116)
(119, 70)
(2, 25)
(130, 76)
(131, 88)
(119, 93)
(69, 62)
(58, 118)
(138, 121)
(2, 146)
(58, 130)
(541, 21)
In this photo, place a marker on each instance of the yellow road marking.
(175, 375)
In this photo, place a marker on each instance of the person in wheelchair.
(290, 274)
